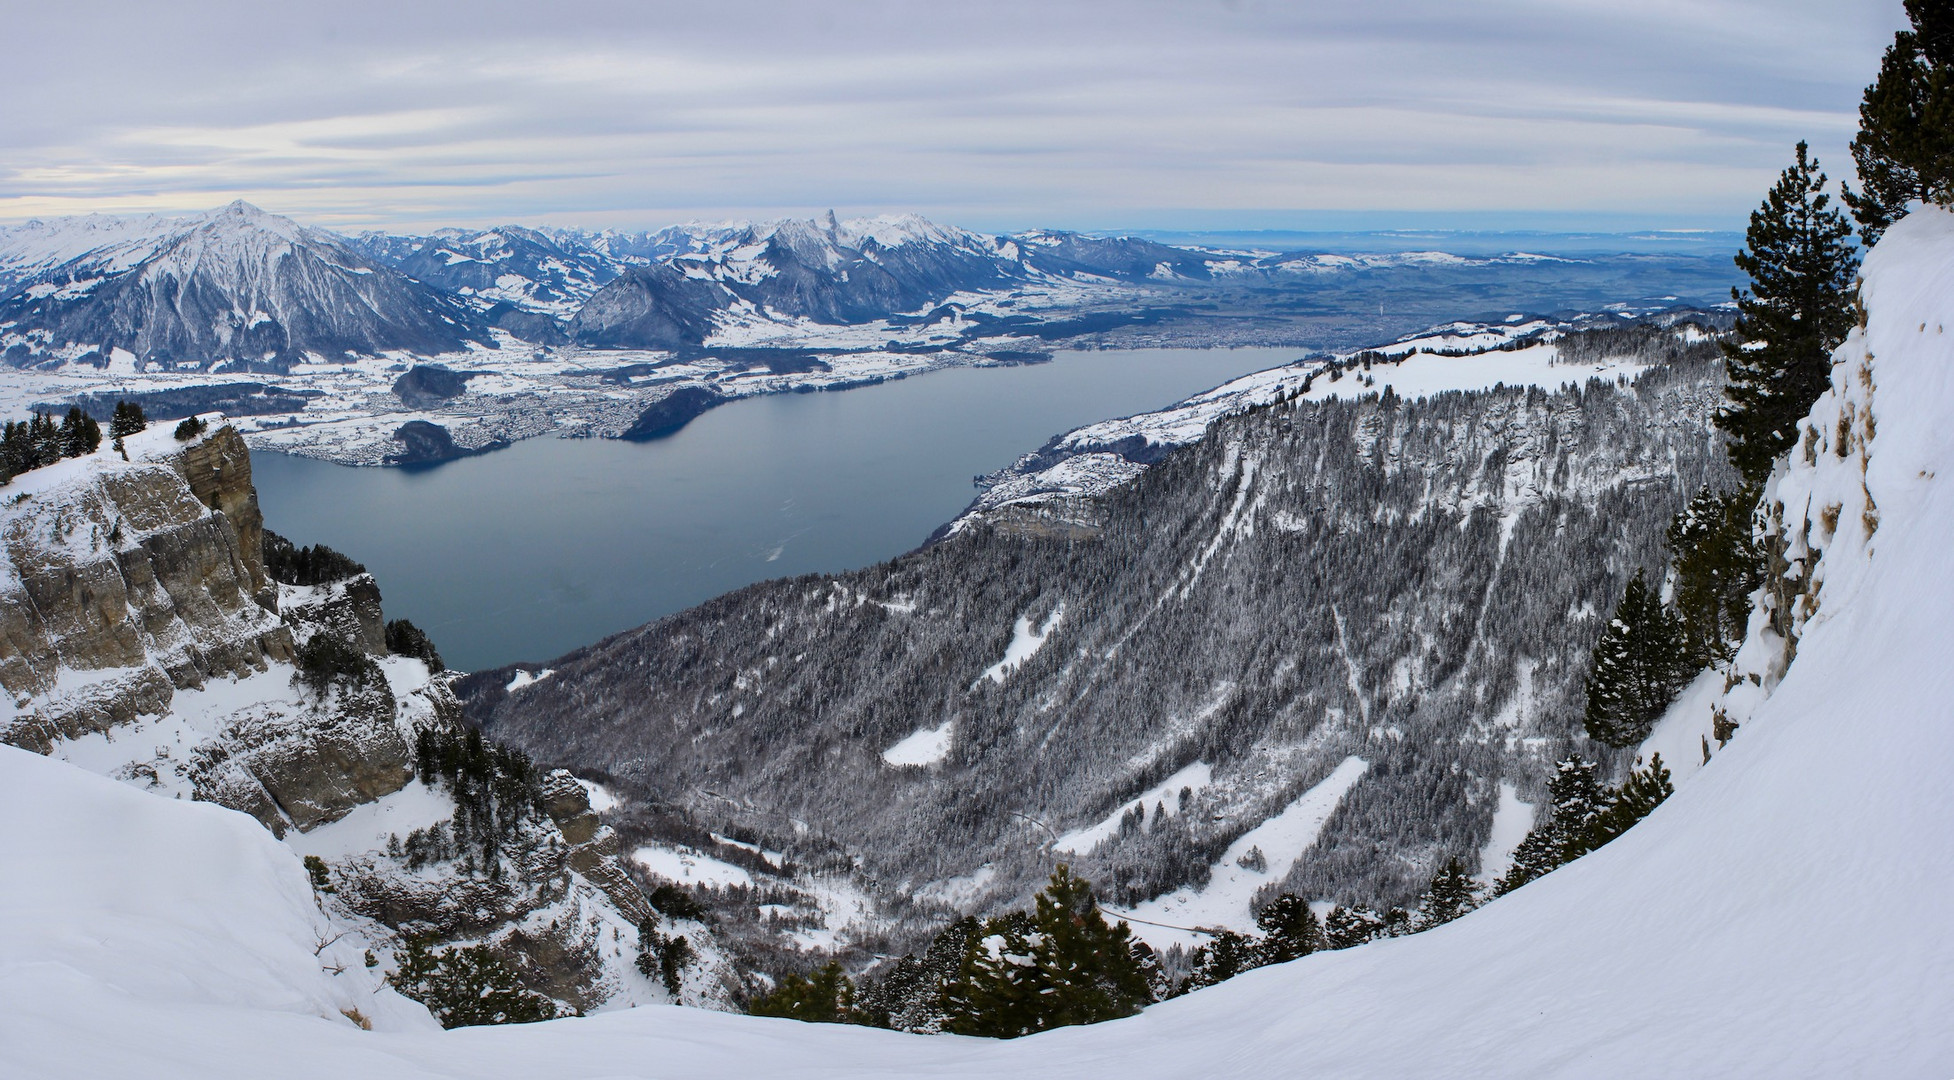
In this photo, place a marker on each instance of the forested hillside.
(1412, 584)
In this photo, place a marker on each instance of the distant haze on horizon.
(1193, 118)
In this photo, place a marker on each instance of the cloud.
(995, 115)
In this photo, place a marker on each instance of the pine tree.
(47, 440)
(127, 420)
(80, 434)
(1717, 564)
(1905, 146)
(1577, 803)
(1059, 965)
(1642, 659)
(469, 985)
(997, 992)
(1451, 894)
(823, 996)
(1087, 966)
(1642, 792)
(1289, 929)
(1159, 986)
(1227, 955)
(664, 958)
(1345, 928)
(1797, 310)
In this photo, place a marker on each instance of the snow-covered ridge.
(1096, 458)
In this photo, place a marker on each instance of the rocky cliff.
(125, 582)
(142, 637)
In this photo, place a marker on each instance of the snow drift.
(1781, 915)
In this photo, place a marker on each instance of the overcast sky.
(1204, 114)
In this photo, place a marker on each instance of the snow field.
(1026, 639)
(1226, 899)
(1162, 797)
(924, 747)
(687, 867)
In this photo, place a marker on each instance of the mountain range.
(240, 289)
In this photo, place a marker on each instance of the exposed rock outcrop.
(126, 581)
(348, 609)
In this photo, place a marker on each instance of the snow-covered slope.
(1780, 916)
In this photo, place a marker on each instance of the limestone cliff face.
(124, 582)
(134, 592)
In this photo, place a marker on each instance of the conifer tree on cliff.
(1641, 661)
(1799, 307)
(1905, 147)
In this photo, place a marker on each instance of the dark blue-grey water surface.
(529, 552)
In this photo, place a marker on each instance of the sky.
(1200, 115)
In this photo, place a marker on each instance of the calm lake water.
(526, 553)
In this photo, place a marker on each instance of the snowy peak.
(236, 288)
(117, 243)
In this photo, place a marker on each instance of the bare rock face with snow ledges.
(123, 584)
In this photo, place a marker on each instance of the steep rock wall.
(124, 582)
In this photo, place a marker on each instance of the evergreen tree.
(1905, 146)
(44, 441)
(997, 992)
(664, 958)
(1159, 986)
(1451, 895)
(80, 434)
(1717, 564)
(1577, 802)
(912, 996)
(1642, 792)
(1227, 955)
(1642, 659)
(127, 420)
(469, 985)
(1059, 965)
(1345, 928)
(406, 639)
(823, 996)
(1087, 966)
(1289, 929)
(1797, 310)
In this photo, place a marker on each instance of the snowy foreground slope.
(1782, 915)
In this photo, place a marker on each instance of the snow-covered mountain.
(236, 288)
(1776, 917)
(1322, 579)
(525, 281)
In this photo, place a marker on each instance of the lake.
(526, 553)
